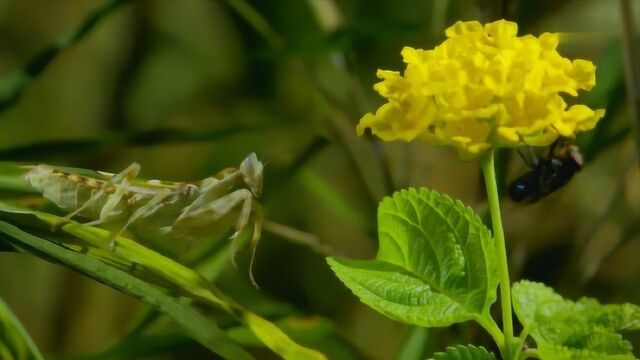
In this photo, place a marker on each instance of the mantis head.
(252, 169)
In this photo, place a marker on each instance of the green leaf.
(558, 352)
(15, 342)
(197, 326)
(309, 329)
(394, 292)
(460, 352)
(313, 329)
(564, 329)
(11, 179)
(435, 264)
(277, 341)
(148, 265)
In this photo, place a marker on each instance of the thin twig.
(501, 9)
(298, 237)
(574, 273)
(39, 150)
(360, 97)
(257, 21)
(275, 41)
(130, 65)
(629, 233)
(631, 65)
(360, 104)
(280, 178)
(12, 88)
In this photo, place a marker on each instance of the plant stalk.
(631, 58)
(488, 169)
(529, 354)
(492, 328)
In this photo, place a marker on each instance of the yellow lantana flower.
(484, 87)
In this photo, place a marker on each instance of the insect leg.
(108, 209)
(149, 208)
(552, 149)
(127, 175)
(206, 215)
(255, 238)
(529, 159)
(245, 215)
(209, 213)
(243, 220)
(113, 200)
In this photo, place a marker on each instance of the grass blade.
(194, 324)
(11, 179)
(15, 342)
(110, 140)
(130, 257)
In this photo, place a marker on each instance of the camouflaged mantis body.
(184, 210)
(116, 202)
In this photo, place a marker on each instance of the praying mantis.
(182, 210)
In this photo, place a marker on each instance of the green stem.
(257, 21)
(520, 340)
(486, 321)
(631, 64)
(489, 171)
(529, 354)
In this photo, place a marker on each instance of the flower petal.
(484, 87)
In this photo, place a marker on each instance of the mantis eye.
(252, 169)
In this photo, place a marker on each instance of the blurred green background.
(189, 87)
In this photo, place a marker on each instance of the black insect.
(547, 175)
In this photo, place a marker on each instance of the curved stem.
(523, 336)
(529, 353)
(492, 328)
(489, 172)
(520, 340)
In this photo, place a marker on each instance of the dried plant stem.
(298, 237)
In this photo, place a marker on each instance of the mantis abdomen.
(71, 191)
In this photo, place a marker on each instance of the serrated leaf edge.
(471, 216)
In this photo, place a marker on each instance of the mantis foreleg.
(209, 214)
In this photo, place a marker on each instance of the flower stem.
(529, 354)
(488, 169)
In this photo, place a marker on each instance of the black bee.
(547, 175)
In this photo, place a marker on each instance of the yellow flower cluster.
(484, 87)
